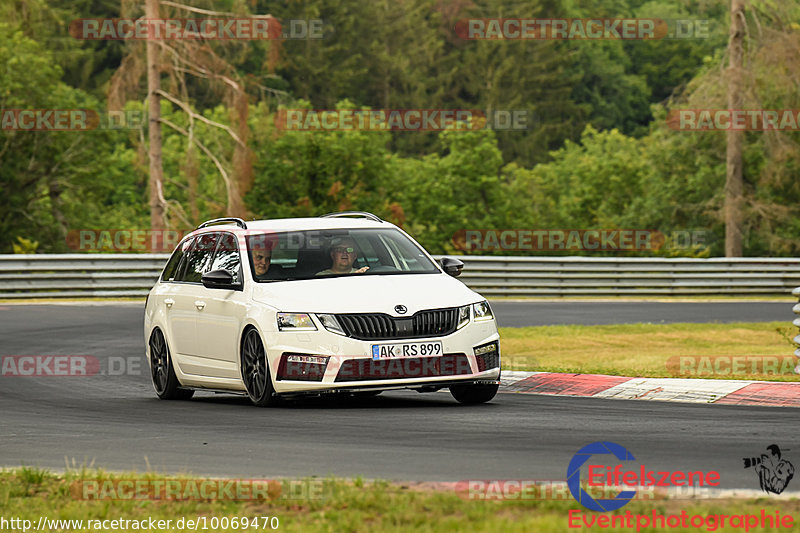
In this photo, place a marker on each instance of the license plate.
(406, 349)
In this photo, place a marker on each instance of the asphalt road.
(518, 314)
(113, 420)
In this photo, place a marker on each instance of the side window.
(227, 256)
(197, 258)
(185, 247)
(172, 264)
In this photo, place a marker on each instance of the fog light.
(487, 356)
(313, 359)
(302, 367)
(486, 348)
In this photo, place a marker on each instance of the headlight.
(463, 316)
(482, 311)
(331, 324)
(295, 322)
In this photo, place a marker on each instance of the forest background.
(597, 151)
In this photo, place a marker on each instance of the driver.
(343, 255)
(261, 262)
(261, 252)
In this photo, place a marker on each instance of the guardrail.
(630, 276)
(110, 275)
(79, 275)
(796, 323)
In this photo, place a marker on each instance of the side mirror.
(219, 279)
(452, 266)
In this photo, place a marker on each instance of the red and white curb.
(717, 391)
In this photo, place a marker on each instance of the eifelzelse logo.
(618, 476)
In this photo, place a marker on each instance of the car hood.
(366, 294)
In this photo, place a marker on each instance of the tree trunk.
(54, 191)
(154, 126)
(734, 181)
(242, 176)
(191, 177)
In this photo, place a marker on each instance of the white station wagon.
(343, 303)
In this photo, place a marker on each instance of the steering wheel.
(383, 268)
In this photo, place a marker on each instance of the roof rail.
(238, 221)
(363, 214)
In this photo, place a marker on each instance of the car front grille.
(452, 364)
(379, 326)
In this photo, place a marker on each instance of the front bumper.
(431, 386)
(321, 361)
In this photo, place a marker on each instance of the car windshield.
(316, 254)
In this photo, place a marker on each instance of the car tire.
(255, 370)
(165, 382)
(472, 394)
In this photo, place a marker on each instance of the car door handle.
(169, 302)
(199, 304)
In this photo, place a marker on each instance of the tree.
(306, 173)
(201, 60)
(156, 182)
(734, 183)
(50, 181)
(759, 193)
(442, 195)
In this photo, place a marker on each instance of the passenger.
(343, 255)
(262, 262)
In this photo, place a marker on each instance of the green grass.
(647, 350)
(32, 476)
(630, 298)
(345, 506)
